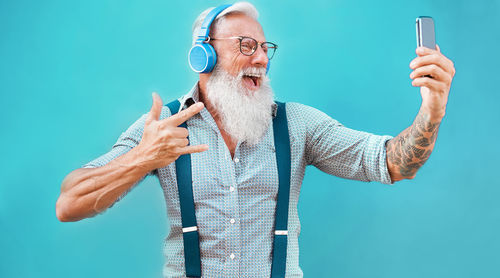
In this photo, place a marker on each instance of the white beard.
(245, 115)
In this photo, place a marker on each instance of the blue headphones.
(202, 57)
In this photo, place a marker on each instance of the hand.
(163, 141)
(434, 89)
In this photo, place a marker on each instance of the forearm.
(408, 151)
(85, 192)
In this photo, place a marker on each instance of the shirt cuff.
(380, 172)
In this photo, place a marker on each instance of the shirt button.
(236, 160)
(232, 256)
(231, 188)
(232, 220)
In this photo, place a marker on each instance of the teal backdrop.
(75, 74)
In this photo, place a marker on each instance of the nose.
(260, 57)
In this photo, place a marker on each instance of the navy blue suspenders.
(190, 233)
(283, 160)
(185, 185)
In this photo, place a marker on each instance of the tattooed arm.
(408, 151)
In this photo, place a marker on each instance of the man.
(229, 115)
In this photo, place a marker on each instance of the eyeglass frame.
(240, 38)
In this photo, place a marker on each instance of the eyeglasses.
(248, 45)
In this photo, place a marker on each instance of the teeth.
(254, 72)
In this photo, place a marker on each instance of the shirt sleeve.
(127, 140)
(341, 151)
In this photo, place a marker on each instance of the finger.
(429, 83)
(177, 142)
(154, 113)
(438, 49)
(193, 149)
(436, 72)
(174, 132)
(180, 132)
(423, 51)
(437, 59)
(185, 114)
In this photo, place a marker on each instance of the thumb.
(154, 113)
(437, 48)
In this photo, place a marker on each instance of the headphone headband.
(205, 27)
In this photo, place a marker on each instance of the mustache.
(252, 71)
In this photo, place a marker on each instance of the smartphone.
(425, 32)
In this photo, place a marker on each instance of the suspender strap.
(283, 160)
(189, 227)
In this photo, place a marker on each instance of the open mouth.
(251, 81)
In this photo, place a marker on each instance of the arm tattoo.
(408, 151)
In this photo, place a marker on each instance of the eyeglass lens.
(248, 46)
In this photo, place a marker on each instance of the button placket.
(232, 209)
(235, 229)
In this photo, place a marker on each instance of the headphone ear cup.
(212, 57)
(202, 58)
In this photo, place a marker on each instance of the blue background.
(74, 75)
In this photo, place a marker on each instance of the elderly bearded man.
(229, 115)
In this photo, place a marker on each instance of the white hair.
(238, 7)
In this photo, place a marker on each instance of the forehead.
(239, 24)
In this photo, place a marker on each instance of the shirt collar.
(194, 96)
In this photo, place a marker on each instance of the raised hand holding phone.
(432, 71)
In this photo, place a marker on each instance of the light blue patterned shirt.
(235, 198)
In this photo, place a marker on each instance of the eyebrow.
(246, 35)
